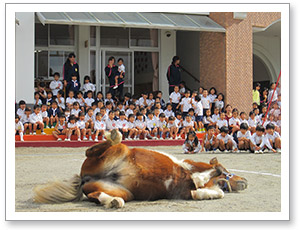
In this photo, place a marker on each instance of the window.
(93, 35)
(41, 35)
(42, 62)
(144, 37)
(114, 37)
(62, 35)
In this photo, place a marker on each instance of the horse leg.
(207, 193)
(200, 179)
(106, 193)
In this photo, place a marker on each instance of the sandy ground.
(35, 166)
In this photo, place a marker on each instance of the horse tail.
(59, 191)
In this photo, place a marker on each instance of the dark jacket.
(74, 87)
(174, 75)
(70, 71)
(56, 112)
(111, 73)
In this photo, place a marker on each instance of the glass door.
(127, 56)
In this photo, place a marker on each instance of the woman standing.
(111, 72)
(173, 74)
(71, 68)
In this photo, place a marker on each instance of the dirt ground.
(35, 166)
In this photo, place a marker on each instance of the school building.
(230, 51)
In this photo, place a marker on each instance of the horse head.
(226, 180)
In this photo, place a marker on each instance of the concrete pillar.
(167, 51)
(25, 57)
(83, 55)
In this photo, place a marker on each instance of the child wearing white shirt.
(44, 114)
(140, 125)
(36, 120)
(25, 119)
(99, 127)
(169, 112)
(207, 120)
(175, 97)
(243, 136)
(70, 100)
(258, 140)
(81, 126)
(162, 127)
(186, 103)
(243, 118)
(75, 111)
(72, 129)
(89, 100)
(205, 100)
(273, 138)
(21, 109)
(60, 100)
(222, 122)
(89, 119)
(37, 99)
(234, 122)
(111, 123)
(131, 127)
(151, 124)
(19, 128)
(122, 124)
(56, 85)
(219, 103)
(199, 113)
(191, 144)
(252, 121)
(172, 127)
(188, 125)
(226, 141)
(88, 86)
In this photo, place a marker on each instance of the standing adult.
(71, 68)
(173, 74)
(111, 72)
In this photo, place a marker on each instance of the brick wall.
(234, 74)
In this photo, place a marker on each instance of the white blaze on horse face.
(207, 193)
(200, 179)
(168, 182)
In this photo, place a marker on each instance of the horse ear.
(214, 161)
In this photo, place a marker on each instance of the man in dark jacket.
(70, 69)
(111, 72)
(173, 74)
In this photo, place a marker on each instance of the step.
(76, 143)
(39, 137)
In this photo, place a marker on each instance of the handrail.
(191, 75)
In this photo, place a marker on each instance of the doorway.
(261, 73)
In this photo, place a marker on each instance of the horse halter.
(226, 186)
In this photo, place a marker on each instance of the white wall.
(268, 49)
(83, 56)
(167, 51)
(25, 57)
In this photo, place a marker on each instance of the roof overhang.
(151, 20)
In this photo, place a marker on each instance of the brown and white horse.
(113, 174)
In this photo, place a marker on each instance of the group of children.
(148, 117)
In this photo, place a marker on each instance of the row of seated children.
(262, 140)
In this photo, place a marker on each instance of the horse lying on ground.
(113, 174)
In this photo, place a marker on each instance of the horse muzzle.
(241, 185)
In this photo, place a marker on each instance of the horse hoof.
(116, 203)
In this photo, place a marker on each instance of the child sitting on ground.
(25, 119)
(191, 144)
(60, 128)
(209, 141)
(131, 127)
(273, 138)
(172, 127)
(99, 127)
(243, 136)
(257, 140)
(19, 128)
(88, 86)
(140, 125)
(36, 120)
(72, 128)
(226, 141)
(81, 126)
(162, 127)
(45, 117)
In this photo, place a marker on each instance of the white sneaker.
(43, 133)
(135, 138)
(161, 138)
(138, 138)
(90, 139)
(217, 151)
(226, 151)
(78, 139)
(22, 139)
(129, 138)
(47, 127)
(278, 150)
(67, 139)
(84, 139)
(126, 139)
(155, 138)
(260, 151)
(115, 87)
(266, 150)
(256, 152)
(52, 127)
(96, 139)
(30, 133)
(59, 139)
(145, 138)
